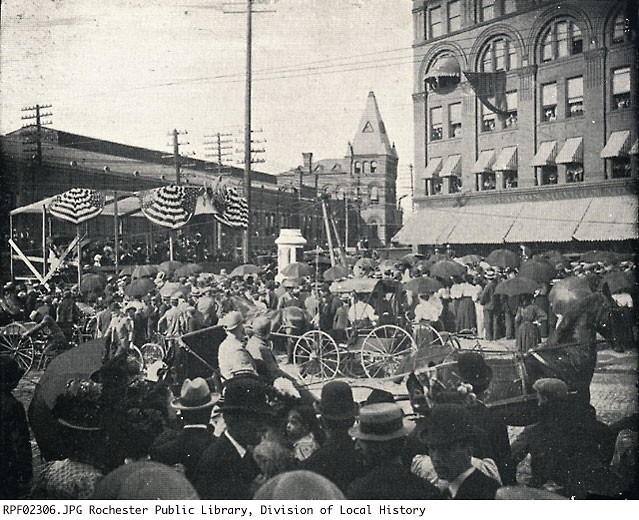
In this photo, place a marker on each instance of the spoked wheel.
(434, 347)
(135, 355)
(316, 356)
(152, 353)
(13, 344)
(383, 350)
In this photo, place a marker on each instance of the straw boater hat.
(381, 422)
(232, 320)
(195, 395)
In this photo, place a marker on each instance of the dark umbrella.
(188, 270)
(554, 257)
(606, 257)
(567, 292)
(539, 270)
(145, 271)
(170, 288)
(169, 266)
(411, 259)
(92, 283)
(446, 269)
(470, 259)
(335, 273)
(79, 362)
(297, 270)
(243, 270)
(140, 287)
(503, 258)
(127, 270)
(517, 285)
(619, 281)
(436, 257)
(423, 285)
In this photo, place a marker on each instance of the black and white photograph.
(282, 251)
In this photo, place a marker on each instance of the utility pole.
(37, 127)
(221, 146)
(308, 162)
(177, 160)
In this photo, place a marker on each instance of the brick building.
(525, 122)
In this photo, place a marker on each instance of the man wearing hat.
(172, 320)
(380, 438)
(491, 303)
(186, 447)
(207, 307)
(55, 337)
(260, 348)
(231, 354)
(227, 468)
(291, 297)
(450, 446)
(337, 459)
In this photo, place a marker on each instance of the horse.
(570, 353)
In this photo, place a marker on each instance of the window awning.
(571, 152)
(507, 159)
(452, 166)
(618, 145)
(546, 154)
(446, 66)
(485, 161)
(433, 167)
(635, 148)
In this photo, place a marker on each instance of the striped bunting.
(233, 210)
(77, 205)
(169, 206)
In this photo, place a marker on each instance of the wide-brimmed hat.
(337, 402)
(10, 373)
(244, 394)
(195, 395)
(448, 424)
(299, 485)
(147, 480)
(382, 422)
(290, 283)
(232, 320)
(472, 368)
(261, 326)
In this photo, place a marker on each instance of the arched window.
(621, 29)
(374, 195)
(373, 166)
(365, 167)
(562, 38)
(373, 229)
(339, 193)
(499, 54)
(358, 167)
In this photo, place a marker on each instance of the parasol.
(436, 257)
(605, 257)
(92, 283)
(503, 258)
(188, 270)
(554, 257)
(469, 259)
(243, 270)
(446, 269)
(169, 266)
(411, 259)
(619, 281)
(517, 285)
(539, 270)
(423, 285)
(169, 206)
(127, 270)
(144, 271)
(335, 273)
(140, 287)
(297, 270)
(172, 287)
(359, 285)
(565, 293)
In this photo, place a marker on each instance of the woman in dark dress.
(527, 321)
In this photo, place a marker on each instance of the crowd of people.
(250, 431)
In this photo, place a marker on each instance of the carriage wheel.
(151, 353)
(13, 344)
(384, 349)
(428, 336)
(134, 354)
(316, 356)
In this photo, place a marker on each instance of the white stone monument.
(290, 245)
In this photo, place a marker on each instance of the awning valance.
(452, 166)
(485, 161)
(545, 154)
(433, 167)
(618, 145)
(571, 152)
(507, 159)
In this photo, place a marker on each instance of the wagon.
(14, 344)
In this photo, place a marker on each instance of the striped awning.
(609, 218)
(635, 148)
(546, 154)
(571, 152)
(618, 145)
(427, 226)
(485, 224)
(452, 166)
(433, 167)
(485, 162)
(507, 159)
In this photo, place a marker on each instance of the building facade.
(518, 106)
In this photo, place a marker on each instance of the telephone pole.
(177, 160)
(37, 127)
(220, 146)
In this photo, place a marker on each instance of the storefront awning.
(609, 218)
(571, 152)
(433, 167)
(635, 148)
(485, 161)
(507, 159)
(546, 154)
(452, 166)
(427, 226)
(486, 224)
(618, 145)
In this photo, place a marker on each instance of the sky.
(131, 71)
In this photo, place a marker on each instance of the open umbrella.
(411, 259)
(140, 287)
(169, 266)
(423, 285)
(144, 271)
(619, 281)
(243, 270)
(539, 270)
(517, 285)
(172, 287)
(335, 273)
(360, 285)
(469, 259)
(446, 269)
(606, 257)
(297, 270)
(567, 292)
(436, 257)
(92, 283)
(554, 257)
(188, 270)
(503, 258)
(127, 270)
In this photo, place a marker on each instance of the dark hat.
(379, 396)
(244, 394)
(382, 422)
(472, 368)
(448, 424)
(10, 373)
(337, 401)
(80, 407)
(195, 395)
(551, 388)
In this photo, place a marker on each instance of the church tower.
(373, 163)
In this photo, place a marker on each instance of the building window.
(365, 168)
(436, 27)
(621, 88)
(512, 101)
(454, 120)
(419, 25)
(563, 38)
(358, 167)
(574, 172)
(374, 196)
(620, 167)
(500, 54)
(510, 6)
(621, 29)
(549, 102)
(487, 10)
(373, 230)
(373, 166)
(436, 124)
(454, 16)
(547, 175)
(487, 180)
(575, 90)
(510, 179)
(488, 119)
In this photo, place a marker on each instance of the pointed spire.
(371, 137)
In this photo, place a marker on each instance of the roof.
(129, 205)
(371, 137)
